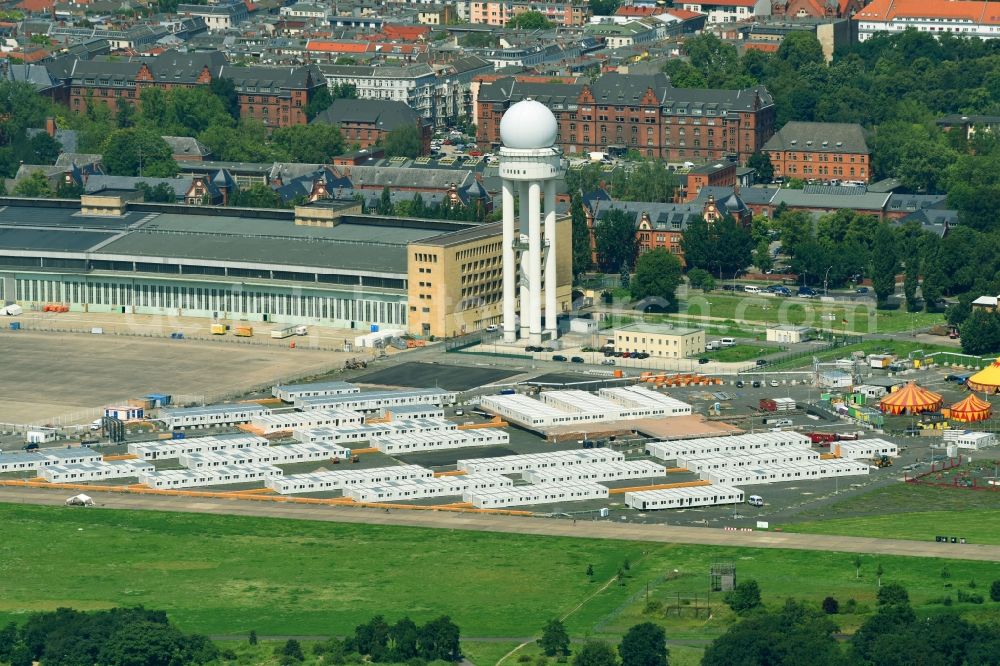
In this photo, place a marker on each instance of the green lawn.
(226, 575)
(900, 348)
(739, 353)
(861, 317)
(978, 526)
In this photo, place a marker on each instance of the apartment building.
(498, 13)
(621, 112)
(820, 151)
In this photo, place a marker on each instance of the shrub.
(995, 590)
(831, 606)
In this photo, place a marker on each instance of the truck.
(243, 331)
(826, 438)
(219, 329)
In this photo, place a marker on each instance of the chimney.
(50, 126)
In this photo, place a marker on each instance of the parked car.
(861, 290)
(30, 447)
(608, 361)
(757, 384)
(641, 355)
(807, 292)
(774, 382)
(762, 361)
(558, 357)
(577, 359)
(739, 383)
(702, 360)
(782, 291)
(492, 327)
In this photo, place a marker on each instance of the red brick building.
(714, 174)
(368, 122)
(824, 152)
(275, 96)
(621, 112)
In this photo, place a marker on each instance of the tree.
(252, 637)
(529, 20)
(138, 152)
(910, 282)
(125, 117)
(372, 638)
(146, 644)
(644, 645)
(761, 256)
(885, 264)
(585, 179)
(934, 282)
(8, 639)
(404, 141)
(439, 639)
(604, 7)
(699, 278)
(994, 594)
(257, 195)
(878, 574)
(291, 652)
(796, 634)
(69, 189)
(161, 193)
(385, 205)
(761, 164)
(554, 640)
(831, 606)
(657, 275)
(744, 597)
(320, 102)
(224, 88)
(312, 144)
(595, 653)
(698, 245)
(590, 571)
(650, 181)
(733, 245)
(403, 637)
(801, 50)
(581, 237)
(36, 185)
(615, 240)
(45, 148)
(980, 333)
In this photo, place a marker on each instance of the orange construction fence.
(123, 456)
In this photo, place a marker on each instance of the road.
(518, 525)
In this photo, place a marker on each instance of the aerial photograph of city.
(500, 333)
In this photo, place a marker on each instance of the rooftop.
(657, 329)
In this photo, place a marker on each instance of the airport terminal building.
(324, 265)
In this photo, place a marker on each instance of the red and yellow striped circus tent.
(911, 399)
(970, 409)
(986, 380)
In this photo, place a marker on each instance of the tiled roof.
(819, 137)
(963, 10)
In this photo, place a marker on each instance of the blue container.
(178, 435)
(15, 326)
(374, 328)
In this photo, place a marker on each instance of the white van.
(782, 423)
(755, 500)
(727, 342)
(713, 345)
(751, 289)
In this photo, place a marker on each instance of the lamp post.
(826, 277)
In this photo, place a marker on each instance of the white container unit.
(35, 460)
(264, 455)
(435, 441)
(95, 471)
(635, 397)
(682, 498)
(211, 415)
(219, 476)
(815, 469)
(365, 432)
(968, 439)
(376, 401)
(174, 448)
(454, 486)
(314, 418)
(520, 463)
(528, 495)
(704, 446)
(865, 449)
(598, 473)
(758, 458)
(292, 392)
(318, 482)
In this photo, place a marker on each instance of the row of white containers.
(704, 446)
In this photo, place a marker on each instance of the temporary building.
(970, 409)
(986, 380)
(968, 439)
(682, 498)
(911, 399)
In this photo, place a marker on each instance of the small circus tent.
(970, 409)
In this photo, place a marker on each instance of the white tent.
(80, 500)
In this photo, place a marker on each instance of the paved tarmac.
(519, 525)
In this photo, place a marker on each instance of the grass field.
(900, 348)
(226, 575)
(908, 511)
(861, 317)
(739, 353)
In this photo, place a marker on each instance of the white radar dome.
(527, 125)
